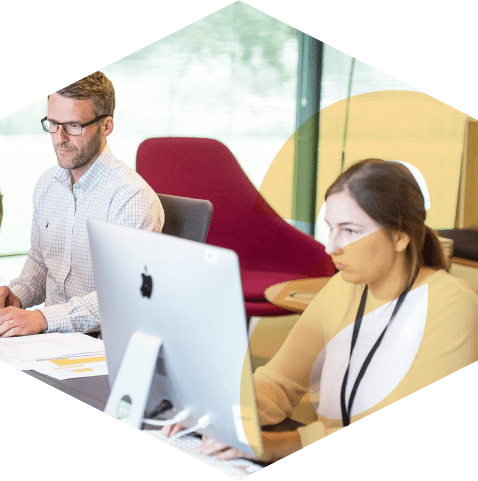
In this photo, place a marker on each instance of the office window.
(25, 153)
(392, 121)
(231, 76)
(386, 119)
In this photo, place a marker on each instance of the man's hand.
(8, 298)
(18, 322)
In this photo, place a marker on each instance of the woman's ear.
(400, 241)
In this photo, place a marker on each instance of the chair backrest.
(243, 220)
(186, 218)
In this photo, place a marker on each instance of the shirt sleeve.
(276, 396)
(283, 381)
(79, 314)
(140, 209)
(30, 287)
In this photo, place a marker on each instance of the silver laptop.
(185, 298)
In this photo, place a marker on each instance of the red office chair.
(269, 249)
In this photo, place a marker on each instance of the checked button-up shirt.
(58, 270)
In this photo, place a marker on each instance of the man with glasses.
(89, 182)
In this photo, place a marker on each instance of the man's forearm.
(30, 287)
(79, 314)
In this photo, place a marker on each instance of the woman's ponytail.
(432, 251)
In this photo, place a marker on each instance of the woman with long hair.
(392, 321)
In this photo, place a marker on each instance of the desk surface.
(283, 294)
(91, 390)
(95, 391)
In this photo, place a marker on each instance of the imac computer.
(174, 326)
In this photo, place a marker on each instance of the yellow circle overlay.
(391, 125)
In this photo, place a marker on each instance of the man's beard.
(82, 157)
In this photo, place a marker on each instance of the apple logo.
(147, 284)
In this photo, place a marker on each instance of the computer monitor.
(183, 300)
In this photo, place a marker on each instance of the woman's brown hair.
(390, 195)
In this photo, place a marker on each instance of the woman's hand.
(209, 445)
(171, 430)
(276, 446)
(222, 451)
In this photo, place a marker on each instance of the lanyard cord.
(346, 410)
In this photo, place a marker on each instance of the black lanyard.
(346, 410)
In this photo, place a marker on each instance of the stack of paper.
(62, 356)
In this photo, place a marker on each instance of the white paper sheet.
(20, 365)
(49, 346)
(71, 368)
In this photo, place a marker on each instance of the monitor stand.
(130, 391)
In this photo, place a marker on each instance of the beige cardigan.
(449, 342)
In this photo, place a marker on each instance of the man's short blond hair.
(96, 87)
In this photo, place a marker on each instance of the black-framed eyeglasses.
(71, 128)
